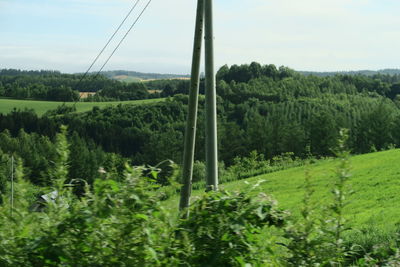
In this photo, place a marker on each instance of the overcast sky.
(318, 35)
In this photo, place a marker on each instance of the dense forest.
(260, 108)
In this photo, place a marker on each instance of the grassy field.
(375, 181)
(6, 105)
(128, 79)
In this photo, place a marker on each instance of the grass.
(40, 107)
(128, 79)
(375, 181)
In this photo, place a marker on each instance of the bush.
(223, 228)
(117, 223)
(122, 222)
(199, 171)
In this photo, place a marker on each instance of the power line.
(109, 41)
(123, 38)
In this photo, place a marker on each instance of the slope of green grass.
(375, 180)
(40, 107)
(127, 79)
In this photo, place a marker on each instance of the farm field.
(127, 79)
(375, 182)
(40, 107)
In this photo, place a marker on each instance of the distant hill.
(362, 72)
(134, 76)
(18, 72)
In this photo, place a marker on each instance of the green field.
(128, 79)
(40, 107)
(375, 180)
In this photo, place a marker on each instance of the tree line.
(55, 86)
(260, 108)
(38, 153)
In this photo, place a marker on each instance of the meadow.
(372, 202)
(40, 107)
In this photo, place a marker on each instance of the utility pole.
(211, 101)
(204, 17)
(190, 133)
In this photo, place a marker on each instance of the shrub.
(222, 228)
(315, 239)
(122, 222)
(111, 224)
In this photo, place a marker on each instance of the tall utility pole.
(211, 101)
(190, 133)
(204, 17)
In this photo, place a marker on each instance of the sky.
(312, 35)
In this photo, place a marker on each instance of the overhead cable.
(109, 41)
(123, 38)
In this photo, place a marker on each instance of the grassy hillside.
(6, 105)
(127, 79)
(375, 181)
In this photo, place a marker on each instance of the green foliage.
(340, 193)
(255, 164)
(199, 172)
(134, 91)
(116, 223)
(374, 247)
(223, 227)
(60, 171)
(316, 240)
(374, 181)
(270, 119)
(54, 108)
(261, 108)
(245, 167)
(171, 87)
(54, 86)
(122, 222)
(63, 109)
(40, 155)
(4, 173)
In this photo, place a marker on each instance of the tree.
(375, 128)
(223, 73)
(256, 70)
(323, 133)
